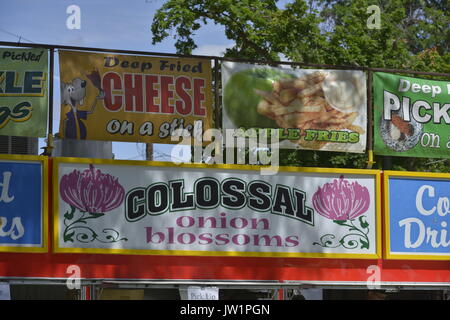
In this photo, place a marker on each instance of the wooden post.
(149, 151)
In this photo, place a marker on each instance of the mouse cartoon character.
(73, 94)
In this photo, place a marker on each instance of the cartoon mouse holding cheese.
(73, 94)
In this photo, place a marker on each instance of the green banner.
(411, 116)
(23, 92)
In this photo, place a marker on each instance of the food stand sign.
(132, 207)
(23, 92)
(302, 108)
(133, 98)
(23, 204)
(411, 116)
(417, 219)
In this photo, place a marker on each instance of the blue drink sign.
(418, 215)
(23, 204)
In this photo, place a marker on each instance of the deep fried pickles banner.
(304, 108)
(411, 116)
(133, 98)
(23, 92)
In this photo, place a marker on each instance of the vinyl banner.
(412, 116)
(23, 204)
(132, 98)
(23, 92)
(418, 215)
(125, 207)
(303, 108)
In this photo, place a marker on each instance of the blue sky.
(113, 24)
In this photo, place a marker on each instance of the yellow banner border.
(45, 203)
(58, 249)
(387, 254)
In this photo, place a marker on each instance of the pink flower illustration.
(341, 200)
(91, 191)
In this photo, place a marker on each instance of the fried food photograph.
(301, 103)
(325, 100)
(398, 134)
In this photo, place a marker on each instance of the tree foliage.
(414, 35)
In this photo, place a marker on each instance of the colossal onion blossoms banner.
(126, 207)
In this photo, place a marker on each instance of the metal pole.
(50, 91)
(369, 137)
(218, 120)
(76, 48)
(424, 73)
(162, 54)
(149, 151)
(50, 143)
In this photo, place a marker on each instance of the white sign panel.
(5, 293)
(132, 208)
(203, 293)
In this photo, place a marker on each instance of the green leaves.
(341, 222)
(364, 224)
(82, 232)
(364, 244)
(69, 214)
(414, 35)
(321, 31)
(95, 215)
(68, 236)
(262, 35)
